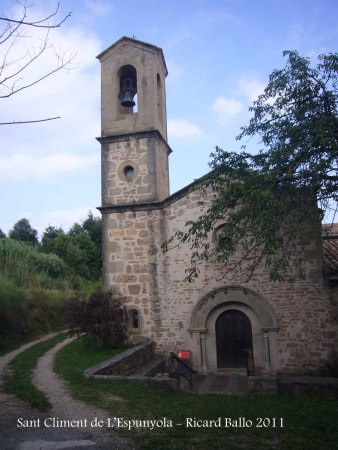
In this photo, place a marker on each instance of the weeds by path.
(18, 376)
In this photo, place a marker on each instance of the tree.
(91, 262)
(51, 239)
(265, 204)
(93, 226)
(80, 248)
(22, 231)
(2, 234)
(17, 57)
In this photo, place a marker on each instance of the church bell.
(127, 92)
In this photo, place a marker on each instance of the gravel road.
(23, 428)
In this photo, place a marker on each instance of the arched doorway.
(233, 339)
(262, 323)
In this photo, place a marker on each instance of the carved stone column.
(199, 349)
(267, 351)
(204, 365)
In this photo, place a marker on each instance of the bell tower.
(133, 124)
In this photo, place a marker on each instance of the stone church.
(279, 327)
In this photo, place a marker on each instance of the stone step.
(152, 368)
(59, 445)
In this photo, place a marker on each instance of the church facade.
(275, 327)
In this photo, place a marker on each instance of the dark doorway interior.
(233, 339)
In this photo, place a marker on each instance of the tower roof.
(134, 43)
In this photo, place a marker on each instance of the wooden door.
(233, 338)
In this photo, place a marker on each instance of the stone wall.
(126, 363)
(323, 387)
(305, 316)
(305, 331)
(147, 155)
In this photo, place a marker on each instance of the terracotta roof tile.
(330, 247)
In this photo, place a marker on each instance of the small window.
(134, 319)
(220, 239)
(129, 172)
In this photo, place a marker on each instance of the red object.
(184, 354)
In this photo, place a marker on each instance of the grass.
(18, 380)
(11, 341)
(27, 312)
(309, 423)
(34, 289)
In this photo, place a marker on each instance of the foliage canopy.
(80, 248)
(22, 231)
(265, 204)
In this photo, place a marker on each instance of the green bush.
(33, 289)
(103, 318)
(26, 266)
(13, 308)
(45, 311)
(27, 313)
(49, 264)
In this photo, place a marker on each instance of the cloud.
(174, 70)
(99, 8)
(39, 162)
(65, 218)
(23, 166)
(48, 149)
(183, 129)
(226, 109)
(251, 88)
(57, 93)
(177, 37)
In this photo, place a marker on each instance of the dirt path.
(7, 358)
(55, 389)
(41, 434)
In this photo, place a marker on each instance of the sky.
(219, 55)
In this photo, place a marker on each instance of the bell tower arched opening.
(127, 95)
(160, 101)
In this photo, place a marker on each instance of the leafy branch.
(15, 69)
(263, 207)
